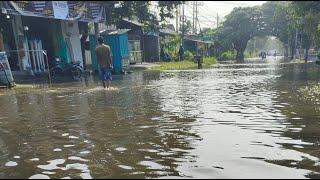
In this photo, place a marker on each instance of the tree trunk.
(286, 51)
(292, 49)
(306, 54)
(240, 57)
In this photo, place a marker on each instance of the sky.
(209, 9)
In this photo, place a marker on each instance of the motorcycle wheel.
(55, 71)
(76, 73)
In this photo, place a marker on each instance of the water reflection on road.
(230, 121)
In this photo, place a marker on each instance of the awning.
(199, 41)
(167, 32)
(114, 32)
(132, 22)
(84, 11)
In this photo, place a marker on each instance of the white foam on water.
(11, 164)
(39, 176)
(68, 145)
(86, 176)
(77, 158)
(85, 172)
(84, 152)
(151, 165)
(120, 149)
(35, 159)
(125, 167)
(73, 137)
(48, 172)
(52, 165)
(65, 134)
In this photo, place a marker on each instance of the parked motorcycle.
(74, 69)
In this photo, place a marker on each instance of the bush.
(209, 60)
(229, 55)
(188, 56)
(249, 54)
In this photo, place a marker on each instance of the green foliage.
(310, 93)
(171, 46)
(239, 27)
(207, 61)
(229, 55)
(141, 11)
(318, 55)
(186, 27)
(180, 65)
(249, 54)
(175, 65)
(167, 8)
(188, 56)
(308, 14)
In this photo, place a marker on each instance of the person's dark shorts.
(105, 74)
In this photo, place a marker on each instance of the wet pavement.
(229, 121)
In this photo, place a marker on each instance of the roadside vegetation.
(186, 64)
(311, 93)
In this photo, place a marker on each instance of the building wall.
(70, 31)
(151, 48)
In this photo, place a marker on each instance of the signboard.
(60, 9)
(5, 71)
(84, 11)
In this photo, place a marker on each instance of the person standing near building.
(104, 58)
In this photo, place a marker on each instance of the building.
(196, 45)
(61, 28)
(135, 39)
(118, 42)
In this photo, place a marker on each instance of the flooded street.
(229, 121)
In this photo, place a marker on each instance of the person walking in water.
(181, 52)
(104, 58)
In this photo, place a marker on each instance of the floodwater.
(229, 121)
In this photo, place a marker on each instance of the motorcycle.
(74, 69)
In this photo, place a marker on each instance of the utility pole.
(196, 17)
(183, 20)
(217, 20)
(254, 46)
(193, 16)
(295, 44)
(177, 18)
(198, 3)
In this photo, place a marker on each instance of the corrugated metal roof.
(195, 40)
(167, 31)
(114, 32)
(132, 22)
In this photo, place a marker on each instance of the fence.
(135, 53)
(33, 61)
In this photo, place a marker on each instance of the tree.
(240, 26)
(186, 27)
(308, 14)
(140, 10)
